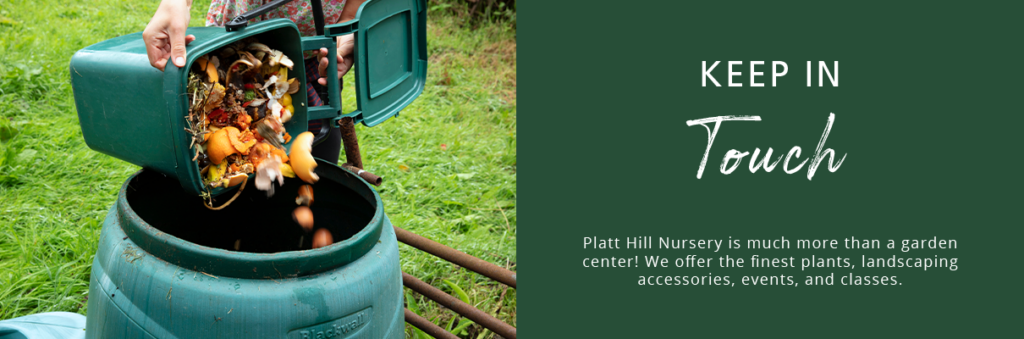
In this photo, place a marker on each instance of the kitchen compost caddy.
(163, 268)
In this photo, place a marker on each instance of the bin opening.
(258, 223)
(229, 109)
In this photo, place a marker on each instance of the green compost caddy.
(161, 269)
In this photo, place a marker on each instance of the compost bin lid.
(390, 56)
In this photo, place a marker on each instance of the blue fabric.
(53, 325)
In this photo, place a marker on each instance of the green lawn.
(449, 160)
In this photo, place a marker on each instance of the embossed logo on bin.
(335, 329)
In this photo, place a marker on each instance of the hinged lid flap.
(390, 56)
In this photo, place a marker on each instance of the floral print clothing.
(299, 11)
(222, 11)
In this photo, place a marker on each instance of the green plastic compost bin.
(134, 112)
(167, 267)
(163, 268)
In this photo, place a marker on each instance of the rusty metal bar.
(427, 326)
(366, 175)
(472, 263)
(351, 142)
(464, 309)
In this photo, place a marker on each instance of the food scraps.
(240, 99)
(322, 238)
(305, 197)
(302, 160)
(304, 217)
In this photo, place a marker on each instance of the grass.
(449, 160)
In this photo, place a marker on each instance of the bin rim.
(248, 265)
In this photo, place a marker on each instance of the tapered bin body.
(161, 270)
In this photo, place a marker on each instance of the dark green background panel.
(928, 111)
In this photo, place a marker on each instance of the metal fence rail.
(355, 163)
(452, 255)
(426, 326)
(463, 309)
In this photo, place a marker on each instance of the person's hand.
(345, 46)
(165, 34)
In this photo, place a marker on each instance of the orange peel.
(233, 136)
(220, 146)
(206, 66)
(236, 179)
(302, 160)
(280, 153)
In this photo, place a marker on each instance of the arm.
(164, 36)
(349, 11)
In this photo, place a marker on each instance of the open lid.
(390, 64)
(390, 56)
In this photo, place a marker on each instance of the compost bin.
(163, 271)
(168, 267)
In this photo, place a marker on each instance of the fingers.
(155, 51)
(158, 63)
(164, 35)
(346, 43)
(345, 46)
(177, 37)
(322, 66)
(344, 65)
